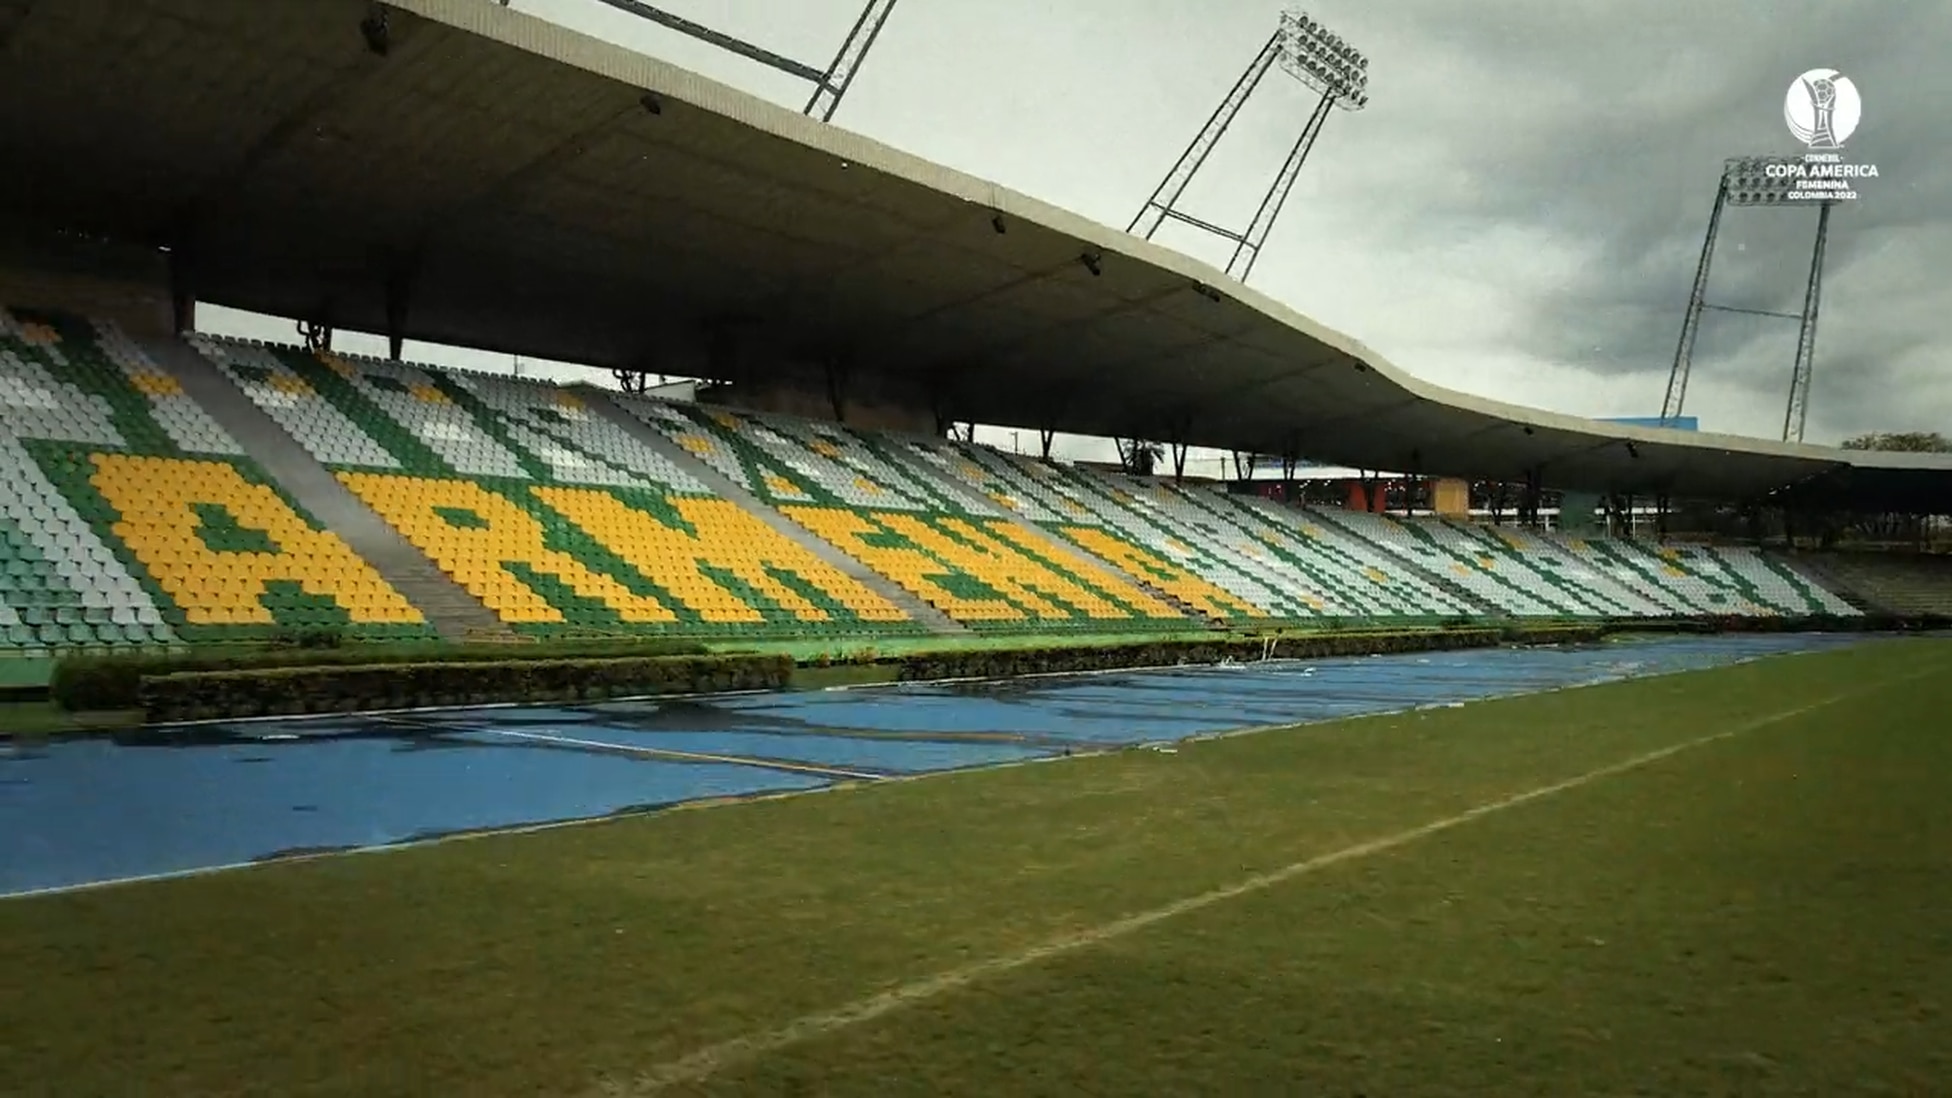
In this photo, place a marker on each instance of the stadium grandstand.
(166, 487)
(1421, 755)
(136, 516)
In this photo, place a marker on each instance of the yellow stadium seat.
(158, 500)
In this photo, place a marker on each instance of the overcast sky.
(1517, 214)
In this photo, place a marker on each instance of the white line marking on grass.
(712, 1059)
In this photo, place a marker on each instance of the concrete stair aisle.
(1167, 597)
(454, 614)
(934, 620)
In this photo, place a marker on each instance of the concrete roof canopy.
(500, 182)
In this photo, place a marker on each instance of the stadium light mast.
(829, 84)
(1767, 182)
(1798, 413)
(1306, 50)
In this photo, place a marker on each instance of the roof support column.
(1619, 516)
(837, 373)
(399, 302)
(946, 424)
(1528, 500)
(182, 292)
(1179, 461)
(1056, 405)
(1176, 439)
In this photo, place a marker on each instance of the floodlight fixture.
(1316, 57)
(1319, 58)
(1761, 180)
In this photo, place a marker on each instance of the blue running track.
(172, 801)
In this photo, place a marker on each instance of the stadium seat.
(560, 520)
(551, 515)
(1707, 579)
(129, 518)
(870, 496)
(1905, 583)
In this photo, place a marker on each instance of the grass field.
(1730, 882)
(48, 719)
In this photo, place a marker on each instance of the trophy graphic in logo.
(1822, 109)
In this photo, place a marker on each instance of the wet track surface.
(81, 812)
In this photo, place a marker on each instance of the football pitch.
(1726, 881)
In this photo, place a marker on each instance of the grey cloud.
(1649, 98)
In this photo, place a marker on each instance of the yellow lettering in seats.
(1163, 574)
(913, 570)
(217, 575)
(476, 536)
(729, 539)
(1094, 575)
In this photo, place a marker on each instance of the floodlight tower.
(1310, 53)
(1755, 181)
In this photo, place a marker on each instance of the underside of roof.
(496, 181)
